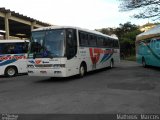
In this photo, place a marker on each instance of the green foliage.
(107, 31)
(126, 33)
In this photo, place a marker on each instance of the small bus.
(13, 57)
(61, 51)
(148, 47)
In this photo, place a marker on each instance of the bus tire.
(82, 70)
(144, 62)
(111, 64)
(11, 71)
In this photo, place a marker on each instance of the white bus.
(61, 51)
(13, 57)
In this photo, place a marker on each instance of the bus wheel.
(144, 63)
(10, 71)
(81, 71)
(111, 64)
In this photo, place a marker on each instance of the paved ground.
(128, 88)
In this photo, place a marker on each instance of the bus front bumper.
(47, 72)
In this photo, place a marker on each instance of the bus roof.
(13, 41)
(82, 29)
(154, 32)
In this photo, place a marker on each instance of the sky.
(90, 14)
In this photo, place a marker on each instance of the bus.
(61, 51)
(13, 57)
(148, 47)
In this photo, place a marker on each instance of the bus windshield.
(48, 44)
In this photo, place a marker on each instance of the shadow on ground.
(132, 86)
(153, 68)
(75, 77)
(3, 76)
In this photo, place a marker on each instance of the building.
(15, 25)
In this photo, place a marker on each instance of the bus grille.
(44, 65)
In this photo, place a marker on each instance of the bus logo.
(9, 57)
(96, 52)
(37, 61)
(95, 55)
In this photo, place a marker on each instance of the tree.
(127, 42)
(107, 31)
(126, 34)
(147, 8)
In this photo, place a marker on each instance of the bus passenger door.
(71, 52)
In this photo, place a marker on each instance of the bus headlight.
(59, 65)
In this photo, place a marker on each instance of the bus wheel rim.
(143, 63)
(11, 71)
(82, 70)
(111, 64)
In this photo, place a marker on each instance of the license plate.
(44, 72)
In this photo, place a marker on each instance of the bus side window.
(71, 43)
(17, 49)
(110, 43)
(25, 47)
(83, 39)
(92, 40)
(100, 42)
(116, 44)
(105, 42)
(157, 46)
(9, 49)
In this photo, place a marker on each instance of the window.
(106, 42)
(116, 45)
(71, 43)
(92, 40)
(13, 48)
(100, 42)
(110, 43)
(37, 42)
(147, 41)
(157, 45)
(54, 43)
(83, 39)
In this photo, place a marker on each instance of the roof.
(3, 10)
(82, 29)
(154, 32)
